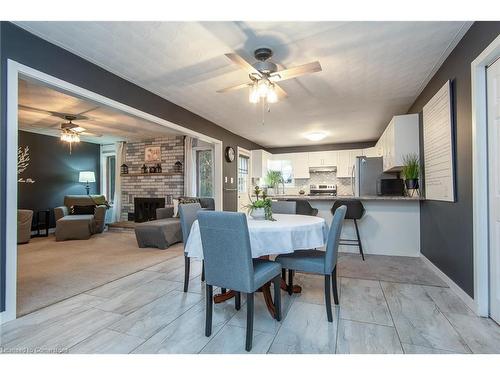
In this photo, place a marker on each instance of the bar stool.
(355, 211)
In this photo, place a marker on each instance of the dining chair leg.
(249, 337)
(209, 307)
(277, 297)
(202, 270)
(328, 299)
(290, 282)
(223, 290)
(359, 240)
(237, 301)
(334, 286)
(283, 274)
(187, 264)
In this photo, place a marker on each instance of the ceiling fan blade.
(89, 134)
(232, 88)
(61, 115)
(280, 92)
(296, 71)
(242, 63)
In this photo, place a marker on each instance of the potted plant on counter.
(411, 171)
(273, 179)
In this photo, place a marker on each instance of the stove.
(323, 189)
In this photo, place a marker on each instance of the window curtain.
(189, 168)
(120, 159)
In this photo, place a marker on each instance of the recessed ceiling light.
(316, 136)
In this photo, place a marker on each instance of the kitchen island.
(390, 226)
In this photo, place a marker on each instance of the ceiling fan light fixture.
(315, 136)
(253, 96)
(272, 97)
(263, 88)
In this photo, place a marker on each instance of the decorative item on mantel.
(124, 169)
(260, 209)
(178, 166)
(158, 168)
(152, 169)
(144, 169)
(411, 173)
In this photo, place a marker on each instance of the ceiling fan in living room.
(264, 76)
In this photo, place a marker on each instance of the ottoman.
(75, 227)
(158, 233)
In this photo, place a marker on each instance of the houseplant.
(273, 179)
(411, 171)
(260, 209)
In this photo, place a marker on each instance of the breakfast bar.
(390, 225)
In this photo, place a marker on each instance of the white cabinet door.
(344, 163)
(259, 163)
(330, 158)
(370, 152)
(316, 159)
(300, 163)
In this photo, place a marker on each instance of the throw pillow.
(184, 200)
(82, 210)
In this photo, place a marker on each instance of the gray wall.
(327, 147)
(446, 228)
(55, 171)
(25, 48)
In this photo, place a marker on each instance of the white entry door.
(493, 94)
(244, 179)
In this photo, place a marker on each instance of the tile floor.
(388, 305)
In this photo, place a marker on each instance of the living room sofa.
(166, 229)
(71, 226)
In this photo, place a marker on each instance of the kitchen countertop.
(346, 197)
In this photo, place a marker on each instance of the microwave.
(390, 186)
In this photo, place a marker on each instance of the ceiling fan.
(264, 75)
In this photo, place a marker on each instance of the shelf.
(152, 174)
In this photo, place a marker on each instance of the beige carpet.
(50, 271)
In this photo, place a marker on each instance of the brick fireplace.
(135, 184)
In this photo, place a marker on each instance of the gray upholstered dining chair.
(284, 207)
(229, 264)
(187, 214)
(319, 262)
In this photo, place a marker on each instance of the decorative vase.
(411, 184)
(258, 214)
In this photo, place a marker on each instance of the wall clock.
(229, 154)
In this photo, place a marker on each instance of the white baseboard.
(468, 300)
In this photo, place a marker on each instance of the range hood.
(322, 169)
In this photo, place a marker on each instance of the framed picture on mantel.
(152, 154)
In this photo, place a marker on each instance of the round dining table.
(283, 235)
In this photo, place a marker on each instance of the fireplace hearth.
(145, 208)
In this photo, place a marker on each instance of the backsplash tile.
(316, 178)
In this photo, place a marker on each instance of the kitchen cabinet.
(400, 138)
(260, 160)
(346, 160)
(300, 163)
(323, 159)
(371, 152)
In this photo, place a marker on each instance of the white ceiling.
(371, 70)
(108, 125)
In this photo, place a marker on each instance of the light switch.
(232, 180)
(225, 179)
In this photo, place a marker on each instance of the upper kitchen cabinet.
(260, 160)
(300, 162)
(323, 159)
(346, 160)
(400, 138)
(371, 152)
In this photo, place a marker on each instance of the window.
(286, 169)
(110, 177)
(242, 174)
(204, 173)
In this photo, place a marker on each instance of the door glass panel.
(205, 174)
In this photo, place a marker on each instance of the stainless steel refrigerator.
(366, 173)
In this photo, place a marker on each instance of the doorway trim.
(480, 176)
(16, 70)
(247, 153)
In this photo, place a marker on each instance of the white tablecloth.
(285, 235)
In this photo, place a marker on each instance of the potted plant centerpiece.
(411, 171)
(260, 208)
(273, 179)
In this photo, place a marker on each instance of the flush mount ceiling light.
(315, 136)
